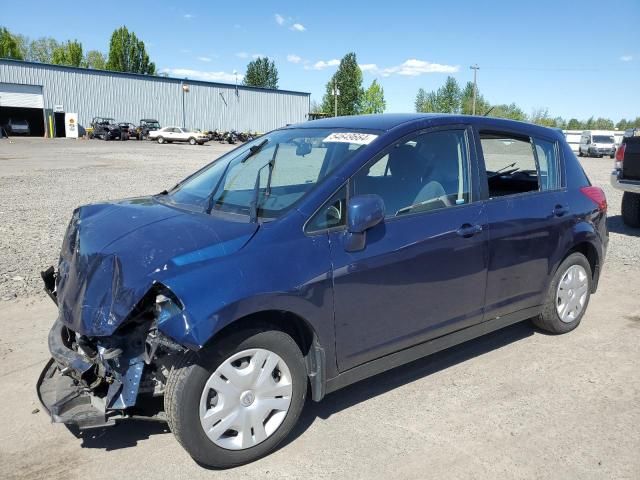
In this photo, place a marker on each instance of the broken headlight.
(166, 307)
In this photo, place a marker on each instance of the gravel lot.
(514, 404)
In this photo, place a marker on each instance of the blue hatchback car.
(308, 259)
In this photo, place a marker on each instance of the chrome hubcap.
(246, 399)
(572, 293)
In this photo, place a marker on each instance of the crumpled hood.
(113, 253)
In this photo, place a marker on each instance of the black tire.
(192, 141)
(160, 140)
(188, 377)
(580, 152)
(631, 209)
(549, 320)
(613, 155)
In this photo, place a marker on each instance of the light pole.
(185, 89)
(475, 69)
(336, 92)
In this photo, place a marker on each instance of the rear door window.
(518, 164)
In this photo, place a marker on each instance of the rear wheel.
(161, 140)
(631, 209)
(568, 296)
(234, 401)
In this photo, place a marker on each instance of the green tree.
(603, 124)
(348, 79)
(510, 111)
(41, 49)
(127, 53)
(466, 101)
(261, 72)
(373, 99)
(589, 124)
(23, 45)
(94, 59)
(421, 99)
(9, 46)
(574, 124)
(449, 97)
(69, 53)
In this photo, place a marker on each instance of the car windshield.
(267, 176)
(602, 139)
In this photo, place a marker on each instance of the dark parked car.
(17, 127)
(105, 128)
(146, 125)
(626, 176)
(127, 130)
(308, 259)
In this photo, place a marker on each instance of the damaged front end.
(93, 381)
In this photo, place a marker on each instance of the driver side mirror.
(364, 212)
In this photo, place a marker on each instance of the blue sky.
(575, 58)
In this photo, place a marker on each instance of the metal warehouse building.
(42, 93)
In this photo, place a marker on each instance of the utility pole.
(475, 69)
(336, 92)
(185, 89)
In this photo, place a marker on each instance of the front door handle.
(467, 230)
(560, 210)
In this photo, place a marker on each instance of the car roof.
(388, 121)
(385, 121)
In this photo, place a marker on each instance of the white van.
(597, 143)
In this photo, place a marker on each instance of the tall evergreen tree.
(348, 79)
(127, 53)
(261, 72)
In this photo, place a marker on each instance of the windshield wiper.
(253, 213)
(499, 171)
(253, 150)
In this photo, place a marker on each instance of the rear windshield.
(602, 139)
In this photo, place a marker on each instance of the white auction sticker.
(351, 137)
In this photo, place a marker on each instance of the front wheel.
(568, 296)
(192, 141)
(236, 400)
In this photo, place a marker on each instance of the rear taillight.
(597, 196)
(620, 155)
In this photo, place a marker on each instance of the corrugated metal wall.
(128, 98)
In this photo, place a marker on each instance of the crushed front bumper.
(87, 392)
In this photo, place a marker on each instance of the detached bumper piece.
(69, 403)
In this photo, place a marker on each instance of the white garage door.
(21, 96)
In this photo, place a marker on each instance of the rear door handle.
(467, 230)
(560, 210)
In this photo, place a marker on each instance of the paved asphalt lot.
(514, 404)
